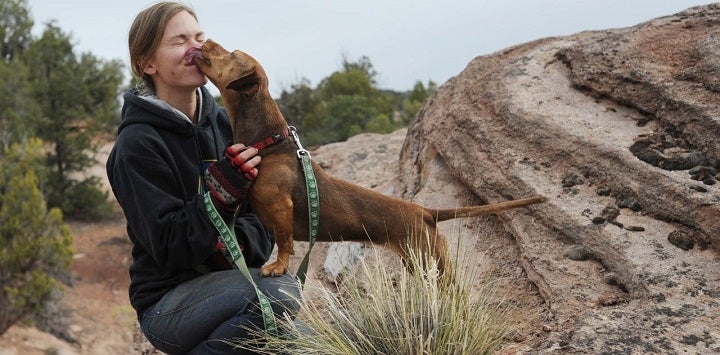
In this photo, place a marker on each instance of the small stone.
(698, 188)
(608, 300)
(702, 173)
(603, 191)
(577, 253)
(681, 239)
(598, 220)
(612, 279)
(628, 202)
(571, 179)
(610, 213)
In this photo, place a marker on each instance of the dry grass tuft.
(381, 310)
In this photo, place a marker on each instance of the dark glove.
(229, 179)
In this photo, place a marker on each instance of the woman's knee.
(283, 291)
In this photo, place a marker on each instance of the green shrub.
(86, 200)
(35, 244)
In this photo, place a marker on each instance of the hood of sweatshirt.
(160, 115)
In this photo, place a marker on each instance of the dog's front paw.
(276, 268)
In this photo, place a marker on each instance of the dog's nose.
(208, 45)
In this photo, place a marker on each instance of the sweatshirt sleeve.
(174, 232)
(257, 242)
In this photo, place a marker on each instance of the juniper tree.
(77, 96)
(35, 245)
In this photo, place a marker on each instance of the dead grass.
(381, 310)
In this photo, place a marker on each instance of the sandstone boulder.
(620, 129)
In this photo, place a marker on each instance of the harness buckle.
(301, 152)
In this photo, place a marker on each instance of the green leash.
(228, 236)
(313, 203)
(230, 240)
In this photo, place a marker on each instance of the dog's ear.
(246, 85)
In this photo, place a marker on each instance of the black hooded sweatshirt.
(155, 170)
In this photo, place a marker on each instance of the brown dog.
(348, 212)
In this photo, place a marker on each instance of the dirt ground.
(100, 317)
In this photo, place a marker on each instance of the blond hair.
(146, 33)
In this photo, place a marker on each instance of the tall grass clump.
(383, 310)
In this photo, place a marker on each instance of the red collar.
(273, 139)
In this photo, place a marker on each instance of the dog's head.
(243, 86)
(236, 71)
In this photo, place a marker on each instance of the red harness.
(273, 139)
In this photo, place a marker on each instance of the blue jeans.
(201, 315)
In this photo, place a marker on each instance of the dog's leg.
(422, 240)
(279, 215)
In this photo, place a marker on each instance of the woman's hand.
(245, 159)
(229, 179)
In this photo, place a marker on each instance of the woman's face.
(168, 67)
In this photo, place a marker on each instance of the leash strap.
(228, 236)
(313, 203)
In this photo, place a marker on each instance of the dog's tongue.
(191, 54)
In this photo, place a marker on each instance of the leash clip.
(301, 151)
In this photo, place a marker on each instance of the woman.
(173, 145)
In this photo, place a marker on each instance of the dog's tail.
(476, 211)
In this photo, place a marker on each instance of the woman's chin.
(197, 80)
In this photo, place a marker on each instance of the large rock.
(620, 129)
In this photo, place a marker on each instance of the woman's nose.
(197, 43)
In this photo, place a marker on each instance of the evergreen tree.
(416, 100)
(15, 27)
(35, 245)
(348, 102)
(345, 103)
(297, 102)
(77, 100)
(17, 108)
(16, 105)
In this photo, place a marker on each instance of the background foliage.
(35, 244)
(66, 99)
(54, 105)
(349, 102)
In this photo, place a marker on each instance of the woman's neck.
(185, 102)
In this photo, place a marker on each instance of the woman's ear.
(149, 68)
